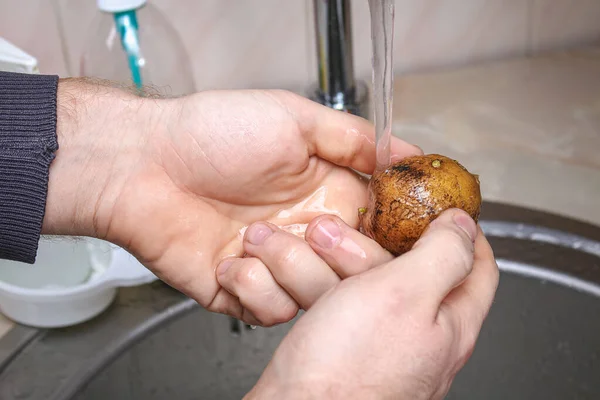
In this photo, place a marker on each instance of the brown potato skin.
(409, 194)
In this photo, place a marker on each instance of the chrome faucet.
(337, 86)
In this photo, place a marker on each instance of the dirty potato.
(409, 194)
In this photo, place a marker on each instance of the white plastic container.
(14, 59)
(62, 301)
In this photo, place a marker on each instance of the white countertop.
(529, 127)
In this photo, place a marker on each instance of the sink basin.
(540, 341)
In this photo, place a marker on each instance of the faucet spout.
(337, 86)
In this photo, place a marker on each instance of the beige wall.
(269, 43)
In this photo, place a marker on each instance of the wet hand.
(282, 273)
(400, 330)
(234, 158)
(177, 181)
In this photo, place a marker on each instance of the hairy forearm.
(98, 130)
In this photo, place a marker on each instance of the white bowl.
(52, 303)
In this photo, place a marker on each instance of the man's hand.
(177, 181)
(400, 330)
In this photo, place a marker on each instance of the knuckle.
(232, 309)
(458, 250)
(246, 273)
(289, 250)
(278, 316)
(354, 145)
(456, 236)
(286, 99)
(287, 313)
(401, 298)
(287, 256)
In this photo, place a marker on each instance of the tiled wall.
(270, 43)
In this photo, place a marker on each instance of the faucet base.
(355, 101)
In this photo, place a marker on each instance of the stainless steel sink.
(540, 341)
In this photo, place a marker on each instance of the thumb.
(343, 139)
(440, 260)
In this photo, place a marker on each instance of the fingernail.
(465, 223)
(257, 234)
(224, 266)
(327, 234)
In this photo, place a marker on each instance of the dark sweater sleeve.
(27, 146)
